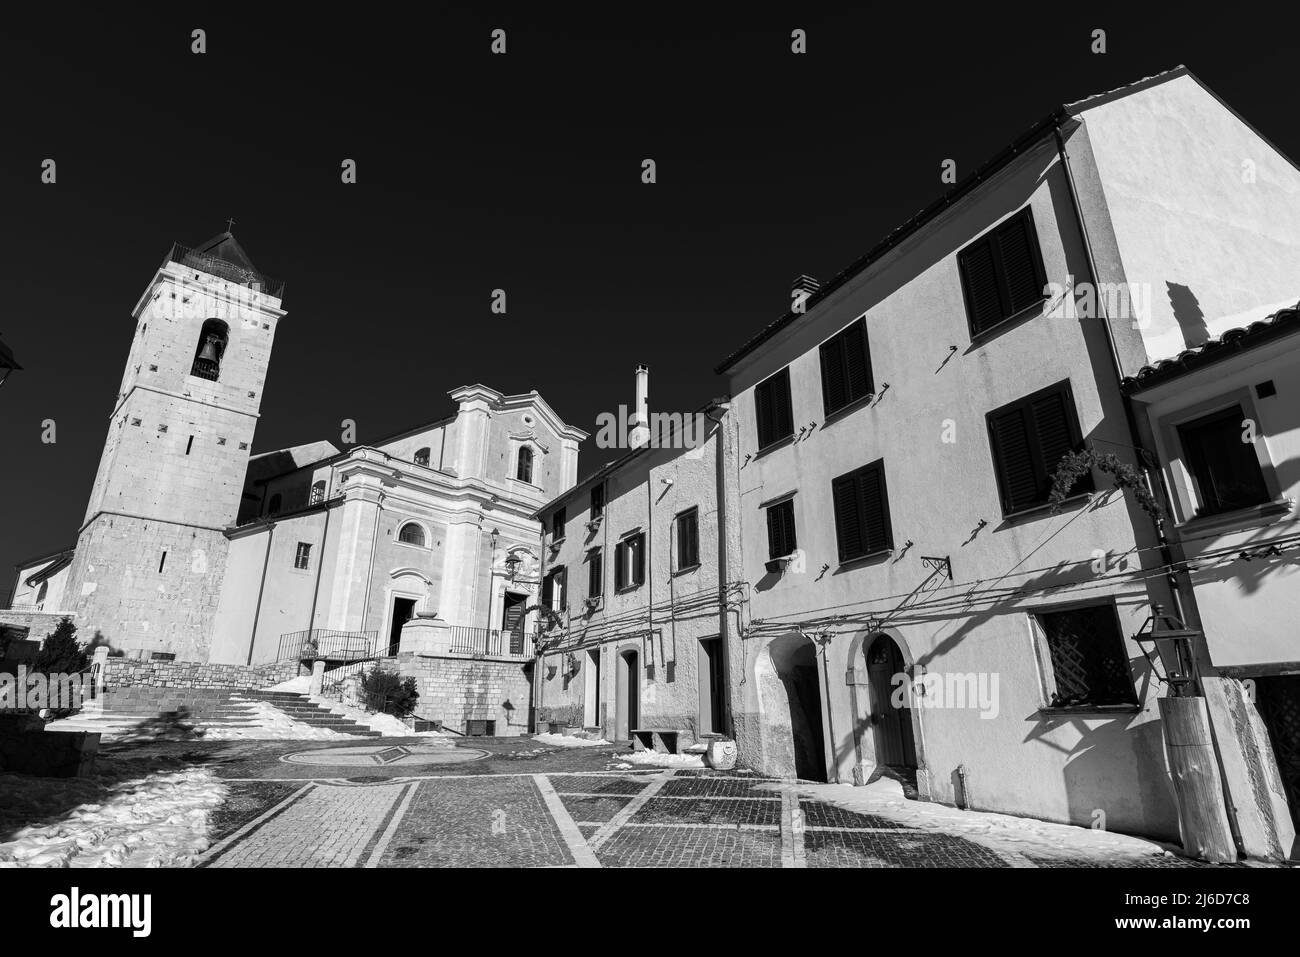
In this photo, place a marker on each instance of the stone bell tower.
(151, 552)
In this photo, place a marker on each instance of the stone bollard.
(317, 677)
(721, 755)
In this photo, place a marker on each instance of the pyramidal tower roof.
(225, 247)
(223, 256)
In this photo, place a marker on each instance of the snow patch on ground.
(998, 832)
(114, 819)
(569, 741)
(658, 759)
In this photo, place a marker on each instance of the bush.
(389, 692)
(60, 652)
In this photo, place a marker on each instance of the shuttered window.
(862, 523)
(597, 501)
(1028, 438)
(772, 409)
(555, 594)
(1002, 272)
(846, 368)
(688, 539)
(1225, 470)
(781, 539)
(595, 574)
(557, 524)
(629, 562)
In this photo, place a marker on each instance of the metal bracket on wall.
(945, 563)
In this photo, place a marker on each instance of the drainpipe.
(320, 566)
(1166, 557)
(257, 612)
(720, 458)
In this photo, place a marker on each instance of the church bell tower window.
(212, 346)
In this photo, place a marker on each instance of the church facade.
(192, 549)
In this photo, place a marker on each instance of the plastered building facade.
(644, 645)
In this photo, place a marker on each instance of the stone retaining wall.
(458, 690)
(124, 673)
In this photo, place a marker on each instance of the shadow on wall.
(1094, 779)
(1187, 311)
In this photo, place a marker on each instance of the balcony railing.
(206, 369)
(327, 644)
(492, 642)
(187, 256)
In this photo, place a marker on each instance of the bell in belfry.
(210, 353)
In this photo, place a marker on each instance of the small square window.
(1089, 663)
(302, 558)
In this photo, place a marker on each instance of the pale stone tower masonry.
(151, 553)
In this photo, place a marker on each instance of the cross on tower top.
(229, 223)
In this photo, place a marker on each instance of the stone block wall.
(458, 690)
(27, 748)
(123, 673)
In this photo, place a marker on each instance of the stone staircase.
(302, 709)
(235, 709)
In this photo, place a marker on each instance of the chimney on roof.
(641, 414)
(801, 290)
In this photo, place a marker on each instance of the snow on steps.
(244, 715)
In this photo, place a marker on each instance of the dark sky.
(520, 172)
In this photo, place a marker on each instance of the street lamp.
(1167, 631)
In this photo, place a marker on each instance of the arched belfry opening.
(213, 338)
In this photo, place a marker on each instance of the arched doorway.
(792, 708)
(891, 725)
(628, 695)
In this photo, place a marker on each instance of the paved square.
(513, 803)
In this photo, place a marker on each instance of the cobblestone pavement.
(513, 803)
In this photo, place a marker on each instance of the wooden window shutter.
(772, 409)
(1018, 249)
(834, 380)
(1014, 457)
(594, 569)
(846, 367)
(1002, 272)
(848, 519)
(620, 566)
(1029, 438)
(688, 540)
(980, 275)
(1052, 428)
(857, 361)
(875, 509)
(639, 551)
(781, 539)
